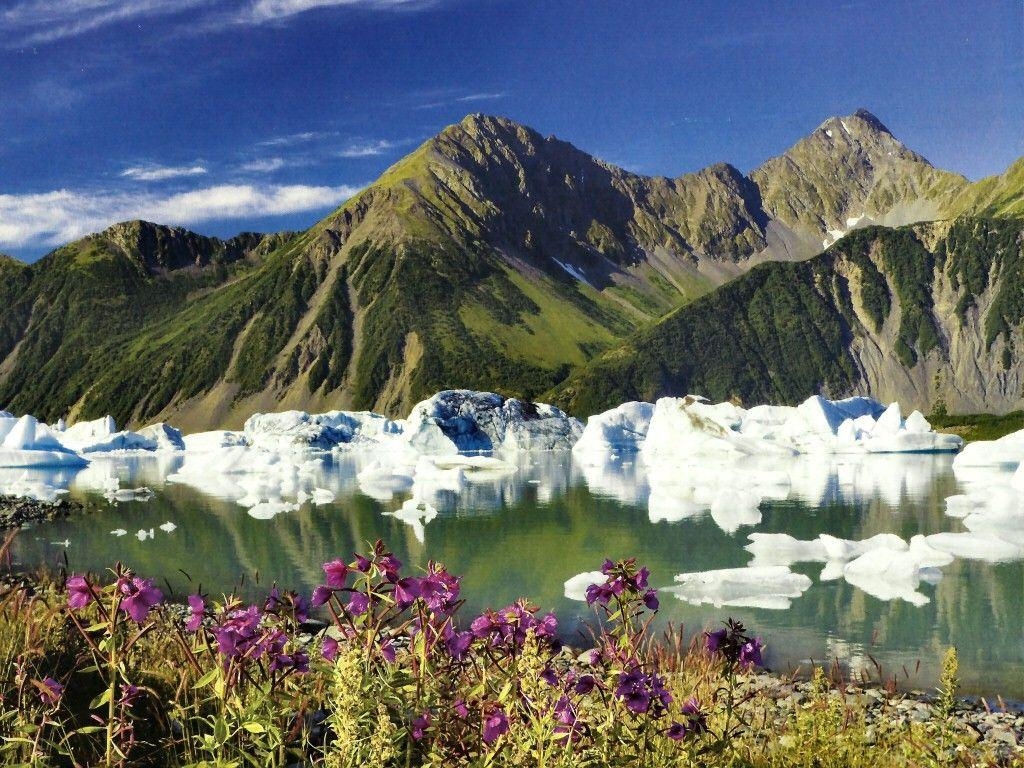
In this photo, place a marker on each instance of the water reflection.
(526, 525)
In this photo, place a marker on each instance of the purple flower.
(139, 597)
(329, 648)
(677, 731)
(389, 565)
(651, 599)
(406, 592)
(640, 580)
(420, 724)
(483, 625)
(79, 592)
(458, 644)
(320, 596)
(715, 640)
(565, 716)
(642, 692)
(198, 607)
(129, 695)
(461, 709)
(750, 654)
(50, 691)
(696, 720)
(387, 650)
(358, 604)
(439, 589)
(599, 593)
(336, 572)
(495, 725)
(549, 676)
(238, 633)
(363, 564)
(585, 684)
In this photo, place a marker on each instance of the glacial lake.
(525, 532)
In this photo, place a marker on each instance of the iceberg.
(1006, 452)
(620, 430)
(28, 443)
(770, 586)
(103, 436)
(464, 421)
(575, 587)
(288, 430)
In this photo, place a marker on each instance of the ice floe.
(620, 430)
(771, 586)
(25, 442)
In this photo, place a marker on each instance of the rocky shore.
(16, 512)
(995, 725)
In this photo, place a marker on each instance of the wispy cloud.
(481, 97)
(292, 139)
(369, 149)
(161, 172)
(271, 10)
(266, 165)
(53, 218)
(43, 21)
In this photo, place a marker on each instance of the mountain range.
(492, 257)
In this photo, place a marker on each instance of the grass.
(978, 426)
(104, 672)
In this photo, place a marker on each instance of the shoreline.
(20, 512)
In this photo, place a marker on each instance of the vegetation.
(978, 426)
(109, 674)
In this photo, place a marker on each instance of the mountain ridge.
(489, 257)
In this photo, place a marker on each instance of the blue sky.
(230, 115)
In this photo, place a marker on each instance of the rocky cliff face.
(928, 315)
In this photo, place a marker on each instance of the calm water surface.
(527, 532)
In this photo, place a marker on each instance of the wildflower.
(651, 599)
(458, 644)
(79, 592)
(389, 566)
(642, 692)
(714, 640)
(362, 564)
(549, 676)
(696, 720)
(585, 684)
(406, 592)
(139, 597)
(461, 709)
(387, 650)
(750, 654)
(420, 724)
(329, 648)
(336, 572)
(50, 691)
(321, 595)
(565, 716)
(495, 725)
(677, 731)
(358, 604)
(439, 589)
(238, 633)
(129, 695)
(196, 604)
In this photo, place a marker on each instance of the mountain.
(931, 315)
(490, 257)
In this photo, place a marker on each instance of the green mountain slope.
(490, 257)
(928, 314)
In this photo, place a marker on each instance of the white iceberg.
(25, 442)
(1006, 452)
(576, 586)
(459, 420)
(770, 586)
(288, 430)
(620, 430)
(103, 436)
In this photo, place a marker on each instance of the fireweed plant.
(111, 675)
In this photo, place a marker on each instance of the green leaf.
(100, 700)
(206, 679)
(253, 727)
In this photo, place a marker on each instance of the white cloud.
(295, 138)
(481, 97)
(53, 218)
(368, 149)
(269, 10)
(268, 165)
(162, 173)
(42, 21)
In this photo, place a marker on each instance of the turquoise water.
(526, 533)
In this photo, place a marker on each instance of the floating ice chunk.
(576, 586)
(976, 546)
(288, 430)
(143, 534)
(266, 510)
(846, 549)
(621, 429)
(168, 527)
(770, 586)
(322, 496)
(783, 549)
(30, 486)
(102, 436)
(27, 443)
(201, 442)
(382, 480)
(118, 532)
(462, 420)
(166, 437)
(1007, 451)
(888, 574)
